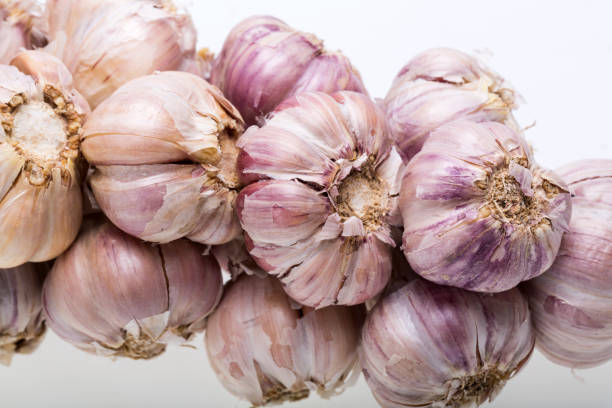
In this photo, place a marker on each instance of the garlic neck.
(507, 201)
(364, 195)
(141, 347)
(227, 166)
(477, 388)
(45, 133)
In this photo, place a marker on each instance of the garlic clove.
(468, 222)
(441, 85)
(105, 46)
(11, 164)
(268, 351)
(148, 294)
(155, 202)
(264, 61)
(152, 192)
(186, 303)
(21, 322)
(295, 215)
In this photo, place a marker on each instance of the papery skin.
(441, 85)
(20, 27)
(114, 295)
(21, 322)
(108, 43)
(164, 151)
(40, 197)
(267, 350)
(310, 149)
(571, 303)
(454, 231)
(436, 346)
(264, 61)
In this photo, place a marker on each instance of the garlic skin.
(267, 350)
(441, 85)
(321, 218)
(164, 152)
(40, 163)
(426, 345)
(264, 61)
(21, 323)
(114, 295)
(478, 212)
(108, 43)
(20, 27)
(571, 303)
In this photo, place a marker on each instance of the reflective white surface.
(557, 54)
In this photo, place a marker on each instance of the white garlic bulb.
(479, 213)
(164, 151)
(571, 303)
(441, 85)
(268, 350)
(426, 345)
(40, 163)
(325, 198)
(106, 43)
(114, 295)
(21, 321)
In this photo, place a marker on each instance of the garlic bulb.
(571, 303)
(267, 350)
(21, 322)
(441, 85)
(426, 345)
(114, 295)
(264, 61)
(107, 43)
(40, 197)
(322, 222)
(478, 212)
(20, 22)
(164, 150)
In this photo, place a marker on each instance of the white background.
(557, 54)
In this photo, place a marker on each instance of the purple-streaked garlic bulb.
(106, 43)
(266, 349)
(426, 345)
(571, 303)
(21, 322)
(264, 61)
(478, 212)
(441, 85)
(114, 295)
(321, 214)
(165, 155)
(20, 22)
(40, 163)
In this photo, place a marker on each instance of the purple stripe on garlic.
(164, 150)
(266, 349)
(426, 345)
(322, 221)
(571, 303)
(478, 212)
(114, 295)
(40, 161)
(21, 321)
(264, 61)
(441, 85)
(106, 44)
